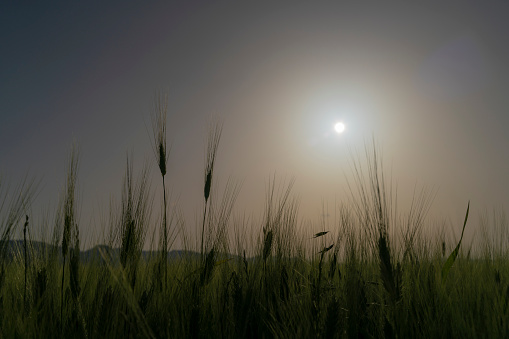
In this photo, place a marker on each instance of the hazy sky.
(429, 81)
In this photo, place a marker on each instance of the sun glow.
(339, 127)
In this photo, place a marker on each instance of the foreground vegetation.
(371, 274)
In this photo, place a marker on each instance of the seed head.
(162, 159)
(208, 183)
(159, 113)
(267, 245)
(212, 145)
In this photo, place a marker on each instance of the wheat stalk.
(160, 110)
(212, 145)
(69, 213)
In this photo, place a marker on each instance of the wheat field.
(371, 274)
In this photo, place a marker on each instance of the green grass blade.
(450, 261)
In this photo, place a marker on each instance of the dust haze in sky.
(429, 81)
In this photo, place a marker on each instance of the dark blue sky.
(429, 81)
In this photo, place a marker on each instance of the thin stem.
(203, 228)
(62, 299)
(165, 237)
(26, 261)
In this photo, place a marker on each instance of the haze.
(428, 81)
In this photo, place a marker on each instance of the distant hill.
(39, 249)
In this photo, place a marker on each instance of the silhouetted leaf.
(450, 261)
(319, 234)
(326, 249)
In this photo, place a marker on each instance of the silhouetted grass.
(370, 274)
(160, 111)
(210, 158)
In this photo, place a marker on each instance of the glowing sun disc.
(339, 127)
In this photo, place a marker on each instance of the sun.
(339, 127)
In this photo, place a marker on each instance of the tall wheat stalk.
(212, 145)
(69, 213)
(135, 211)
(26, 260)
(162, 153)
(13, 210)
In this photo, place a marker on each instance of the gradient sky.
(429, 81)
